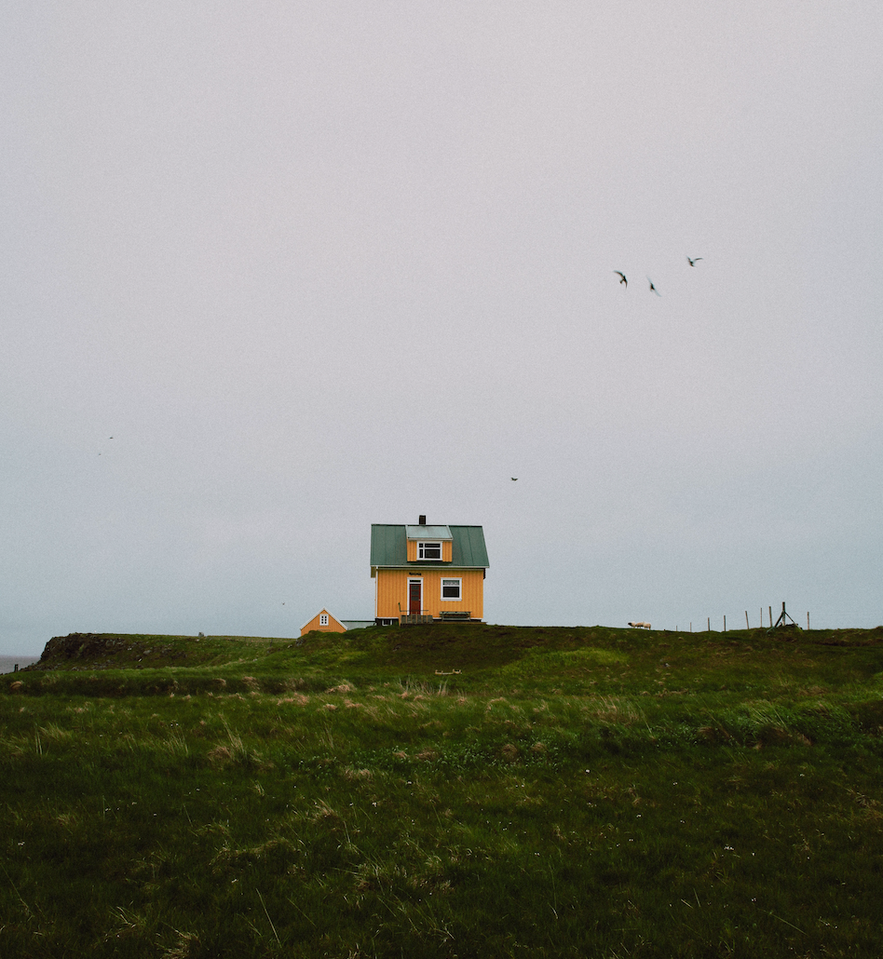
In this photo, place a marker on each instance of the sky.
(273, 272)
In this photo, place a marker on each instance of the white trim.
(434, 543)
(441, 589)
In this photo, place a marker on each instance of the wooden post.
(771, 617)
(709, 624)
(725, 622)
(807, 620)
(746, 620)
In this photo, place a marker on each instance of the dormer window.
(429, 544)
(426, 550)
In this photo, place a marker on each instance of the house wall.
(392, 590)
(446, 544)
(333, 625)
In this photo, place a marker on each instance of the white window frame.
(434, 544)
(452, 579)
(323, 619)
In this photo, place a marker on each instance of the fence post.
(746, 620)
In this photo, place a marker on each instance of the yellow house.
(424, 573)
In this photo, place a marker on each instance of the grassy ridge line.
(420, 647)
(570, 661)
(688, 688)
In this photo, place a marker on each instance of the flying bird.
(514, 479)
(694, 260)
(623, 280)
(652, 287)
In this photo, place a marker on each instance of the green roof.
(389, 547)
(428, 532)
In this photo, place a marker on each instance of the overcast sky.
(275, 271)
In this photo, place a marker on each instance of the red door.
(415, 590)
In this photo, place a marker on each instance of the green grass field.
(451, 790)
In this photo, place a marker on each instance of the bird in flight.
(694, 260)
(623, 280)
(514, 479)
(652, 287)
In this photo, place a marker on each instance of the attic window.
(429, 551)
(323, 619)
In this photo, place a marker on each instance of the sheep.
(640, 625)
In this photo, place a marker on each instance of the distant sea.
(8, 663)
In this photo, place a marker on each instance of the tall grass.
(604, 797)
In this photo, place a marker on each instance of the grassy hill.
(446, 790)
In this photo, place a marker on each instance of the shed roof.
(428, 532)
(389, 546)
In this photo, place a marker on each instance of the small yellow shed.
(323, 622)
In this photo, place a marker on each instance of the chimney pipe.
(422, 521)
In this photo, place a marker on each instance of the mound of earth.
(101, 650)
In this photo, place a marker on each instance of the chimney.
(422, 521)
